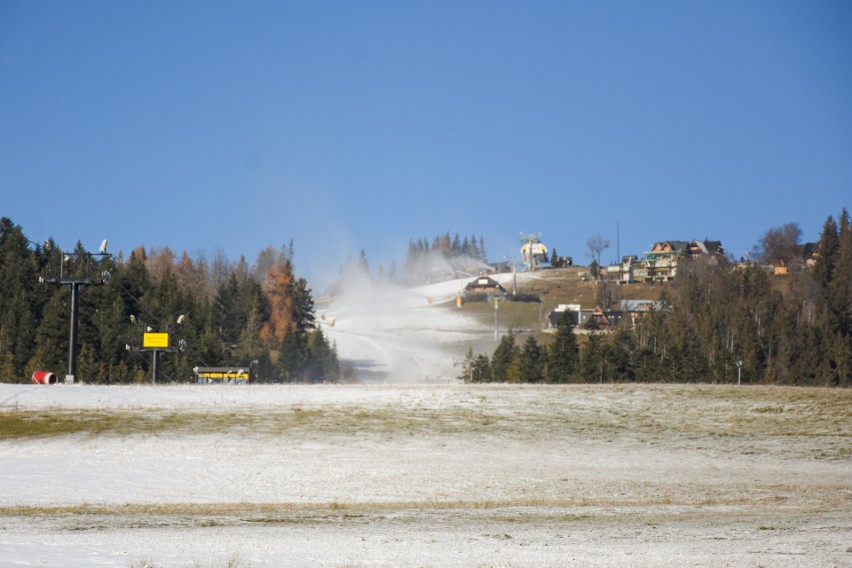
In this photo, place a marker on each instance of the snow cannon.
(44, 378)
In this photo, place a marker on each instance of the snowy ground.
(392, 334)
(428, 475)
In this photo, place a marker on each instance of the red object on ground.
(44, 378)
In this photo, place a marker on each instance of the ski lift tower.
(77, 270)
(533, 250)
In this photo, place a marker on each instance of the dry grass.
(811, 420)
(696, 499)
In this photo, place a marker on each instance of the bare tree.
(596, 244)
(781, 244)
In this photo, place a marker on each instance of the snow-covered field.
(426, 475)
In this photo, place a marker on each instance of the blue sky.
(343, 126)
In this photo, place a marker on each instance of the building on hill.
(621, 273)
(810, 254)
(661, 263)
(484, 285)
(574, 312)
(604, 320)
(709, 249)
(598, 318)
(636, 310)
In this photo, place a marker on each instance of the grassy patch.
(813, 422)
(644, 496)
(51, 423)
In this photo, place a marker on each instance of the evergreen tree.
(481, 372)
(532, 361)
(303, 306)
(829, 244)
(228, 317)
(564, 352)
(476, 369)
(591, 362)
(363, 265)
(52, 334)
(473, 249)
(840, 282)
(503, 357)
(466, 374)
(293, 356)
(323, 362)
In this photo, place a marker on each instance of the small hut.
(484, 285)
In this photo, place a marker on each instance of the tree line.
(257, 316)
(717, 322)
(444, 257)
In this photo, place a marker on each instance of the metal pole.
(154, 366)
(496, 304)
(72, 334)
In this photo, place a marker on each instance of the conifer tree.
(840, 284)
(52, 333)
(293, 356)
(829, 244)
(481, 370)
(503, 357)
(323, 357)
(592, 359)
(532, 361)
(564, 353)
(228, 317)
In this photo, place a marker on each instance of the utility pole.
(496, 307)
(86, 271)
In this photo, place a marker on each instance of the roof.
(809, 250)
(706, 247)
(484, 282)
(640, 305)
(673, 246)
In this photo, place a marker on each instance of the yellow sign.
(156, 340)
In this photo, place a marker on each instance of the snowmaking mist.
(391, 333)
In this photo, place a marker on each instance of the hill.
(554, 287)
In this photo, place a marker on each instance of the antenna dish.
(103, 247)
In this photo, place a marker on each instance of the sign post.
(156, 341)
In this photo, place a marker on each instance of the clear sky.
(352, 125)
